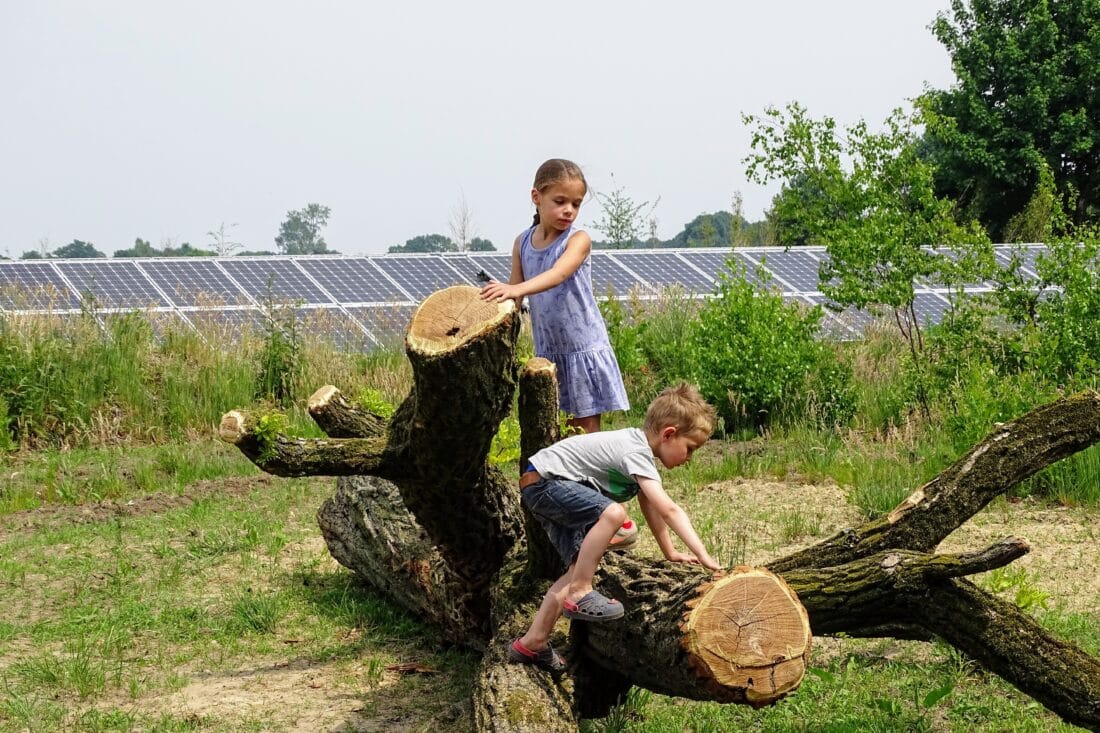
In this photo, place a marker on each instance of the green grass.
(38, 478)
(103, 618)
(136, 607)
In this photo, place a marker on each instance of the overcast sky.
(164, 120)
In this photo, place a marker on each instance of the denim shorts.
(566, 510)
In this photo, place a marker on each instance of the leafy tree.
(623, 222)
(1028, 71)
(477, 244)
(785, 217)
(706, 230)
(32, 254)
(425, 243)
(77, 248)
(141, 248)
(300, 232)
(186, 250)
(874, 208)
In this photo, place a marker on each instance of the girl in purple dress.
(551, 267)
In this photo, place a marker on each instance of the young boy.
(574, 488)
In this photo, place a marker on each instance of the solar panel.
(609, 276)
(352, 280)
(34, 286)
(387, 323)
(930, 308)
(161, 322)
(193, 282)
(179, 292)
(938, 282)
(832, 326)
(795, 269)
(112, 284)
(52, 322)
(420, 276)
(714, 261)
(222, 325)
(497, 266)
(278, 278)
(1025, 255)
(850, 319)
(665, 268)
(334, 327)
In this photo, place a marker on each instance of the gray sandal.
(593, 606)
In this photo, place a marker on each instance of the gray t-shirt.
(608, 460)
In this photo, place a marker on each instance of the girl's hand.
(499, 292)
(677, 556)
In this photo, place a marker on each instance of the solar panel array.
(363, 302)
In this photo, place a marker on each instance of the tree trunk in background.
(422, 516)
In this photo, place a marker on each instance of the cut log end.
(452, 316)
(537, 365)
(321, 397)
(748, 635)
(232, 429)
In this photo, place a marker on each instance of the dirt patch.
(62, 515)
(1065, 551)
(298, 696)
(779, 517)
(1065, 541)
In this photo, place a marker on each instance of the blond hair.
(683, 408)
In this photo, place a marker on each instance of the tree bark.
(341, 419)
(422, 516)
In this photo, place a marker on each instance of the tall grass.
(91, 381)
(71, 382)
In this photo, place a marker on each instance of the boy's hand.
(677, 556)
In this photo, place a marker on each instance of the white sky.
(163, 120)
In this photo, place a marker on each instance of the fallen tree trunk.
(437, 529)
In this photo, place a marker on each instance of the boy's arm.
(661, 514)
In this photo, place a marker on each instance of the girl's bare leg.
(590, 424)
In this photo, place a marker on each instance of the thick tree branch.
(1011, 453)
(1012, 644)
(340, 419)
(303, 456)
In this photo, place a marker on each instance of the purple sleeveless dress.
(569, 331)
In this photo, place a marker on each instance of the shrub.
(753, 355)
(281, 357)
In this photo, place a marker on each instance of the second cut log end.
(748, 636)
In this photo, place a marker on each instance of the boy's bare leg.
(577, 581)
(538, 635)
(592, 550)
